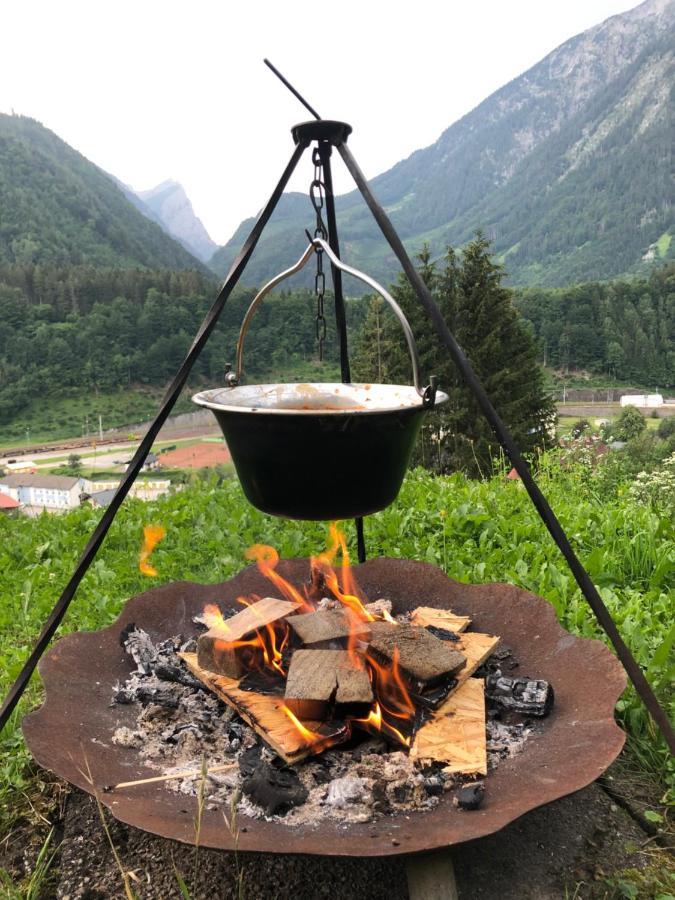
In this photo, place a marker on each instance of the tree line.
(102, 329)
(625, 329)
(106, 329)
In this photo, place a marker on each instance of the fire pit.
(71, 733)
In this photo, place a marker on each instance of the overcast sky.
(151, 90)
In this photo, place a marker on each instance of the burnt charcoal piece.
(275, 790)
(434, 697)
(433, 784)
(123, 696)
(529, 696)
(443, 633)
(470, 796)
(263, 681)
(401, 793)
(169, 672)
(249, 761)
(161, 696)
(381, 801)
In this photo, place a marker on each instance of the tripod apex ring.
(322, 130)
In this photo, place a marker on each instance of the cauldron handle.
(316, 245)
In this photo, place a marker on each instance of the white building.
(141, 489)
(649, 401)
(51, 492)
(24, 466)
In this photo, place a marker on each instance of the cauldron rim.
(310, 392)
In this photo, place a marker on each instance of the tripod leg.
(134, 468)
(541, 504)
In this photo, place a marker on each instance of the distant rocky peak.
(171, 205)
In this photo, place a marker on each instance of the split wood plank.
(265, 714)
(317, 679)
(456, 734)
(324, 627)
(224, 650)
(476, 647)
(440, 618)
(422, 658)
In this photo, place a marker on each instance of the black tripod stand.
(328, 134)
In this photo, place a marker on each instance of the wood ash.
(181, 725)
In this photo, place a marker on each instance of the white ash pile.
(183, 726)
(326, 708)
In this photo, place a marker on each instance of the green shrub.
(666, 427)
(630, 424)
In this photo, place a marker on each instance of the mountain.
(169, 205)
(566, 169)
(57, 207)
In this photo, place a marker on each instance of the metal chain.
(317, 196)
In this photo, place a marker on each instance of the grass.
(476, 531)
(565, 423)
(663, 244)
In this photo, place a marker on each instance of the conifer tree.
(480, 313)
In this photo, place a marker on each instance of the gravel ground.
(569, 845)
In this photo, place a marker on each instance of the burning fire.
(266, 646)
(267, 559)
(393, 708)
(152, 535)
(393, 699)
(349, 593)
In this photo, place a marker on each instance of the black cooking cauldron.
(321, 451)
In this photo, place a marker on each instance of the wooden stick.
(186, 773)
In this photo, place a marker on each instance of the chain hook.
(317, 197)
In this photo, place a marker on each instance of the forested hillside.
(566, 169)
(57, 207)
(98, 330)
(104, 329)
(625, 328)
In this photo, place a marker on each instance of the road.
(116, 444)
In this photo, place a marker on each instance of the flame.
(393, 699)
(348, 593)
(267, 559)
(152, 535)
(393, 710)
(310, 737)
(213, 618)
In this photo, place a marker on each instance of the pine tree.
(480, 313)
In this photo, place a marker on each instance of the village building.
(141, 489)
(645, 401)
(55, 493)
(8, 504)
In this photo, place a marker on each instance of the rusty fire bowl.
(579, 740)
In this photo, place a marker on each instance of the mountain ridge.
(58, 207)
(444, 192)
